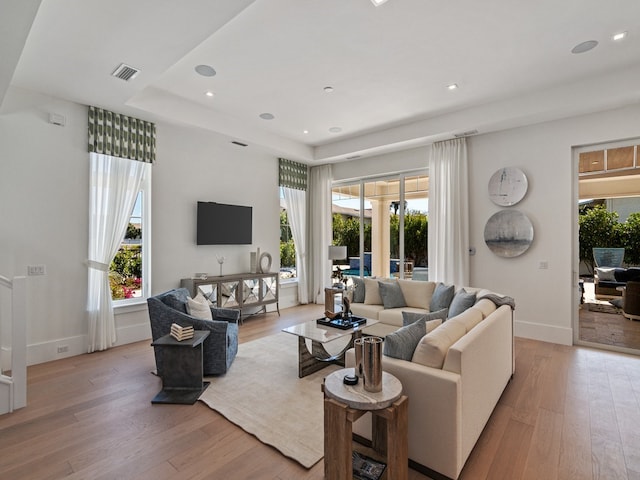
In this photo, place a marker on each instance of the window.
(129, 272)
(287, 245)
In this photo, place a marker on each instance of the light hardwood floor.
(568, 413)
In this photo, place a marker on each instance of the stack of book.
(181, 333)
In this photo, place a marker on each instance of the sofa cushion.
(393, 316)
(391, 294)
(606, 274)
(417, 293)
(461, 301)
(358, 289)
(410, 317)
(469, 318)
(432, 348)
(627, 274)
(199, 307)
(442, 296)
(367, 311)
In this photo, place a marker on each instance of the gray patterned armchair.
(219, 348)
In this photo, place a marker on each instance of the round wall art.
(508, 233)
(507, 186)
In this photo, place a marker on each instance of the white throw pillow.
(417, 293)
(199, 307)
(372, 292)
(606, 274)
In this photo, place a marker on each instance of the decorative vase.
(372, 364)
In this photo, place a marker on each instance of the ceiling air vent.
(239, 143)
(125, 72)
(465, 134)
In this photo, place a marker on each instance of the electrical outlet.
(63, 348)
(544, 265)
(37, 270)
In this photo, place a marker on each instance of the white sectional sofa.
(454, 377)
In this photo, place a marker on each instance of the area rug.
(602, 308)
(262, 394)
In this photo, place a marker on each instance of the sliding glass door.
(388, 216)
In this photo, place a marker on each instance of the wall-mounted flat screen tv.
(222, 224)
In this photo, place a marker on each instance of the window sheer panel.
(449, 212)
(296, 205)
(114, 186)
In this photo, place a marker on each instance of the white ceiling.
(389, 66)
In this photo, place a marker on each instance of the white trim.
(544, 333)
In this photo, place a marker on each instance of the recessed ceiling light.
(377, 3)
(209, 93)
(584, 46)
(267, 116)
(205, 70)
(453, 86)
(335, 129)
(305, 131)
(328, 89)
(619, 36)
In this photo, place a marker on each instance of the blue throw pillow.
(410, 317)
(461, 302)
(176, 300)
(442, 296)
(391, 294)
(402, 343)
(358, 290)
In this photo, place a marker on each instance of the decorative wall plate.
(507, 186)
(508, 233)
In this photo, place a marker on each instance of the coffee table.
(311, 361)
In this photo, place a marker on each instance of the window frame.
(145, 215)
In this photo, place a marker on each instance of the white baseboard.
(48, 351)
(544, 333)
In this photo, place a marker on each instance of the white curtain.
(320, 234)
(115, 183)
(296, 205)
(449, 212)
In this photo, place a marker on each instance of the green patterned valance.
(121, 136)
(293, 174)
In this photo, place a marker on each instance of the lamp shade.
(337, 252)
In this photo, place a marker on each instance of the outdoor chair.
(219, 348)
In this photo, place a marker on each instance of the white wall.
(44, 194)
(546, 298)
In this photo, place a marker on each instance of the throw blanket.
(499, 300)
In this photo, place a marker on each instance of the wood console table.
(239, 291)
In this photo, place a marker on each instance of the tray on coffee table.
(342, 323)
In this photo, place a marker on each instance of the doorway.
(607, 214)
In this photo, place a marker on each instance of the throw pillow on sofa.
(372, 292)
(411, 317)
(461, 302)
(402, 343)
(358, 290)
(391, 294)
(442, 296)
(199, 307)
